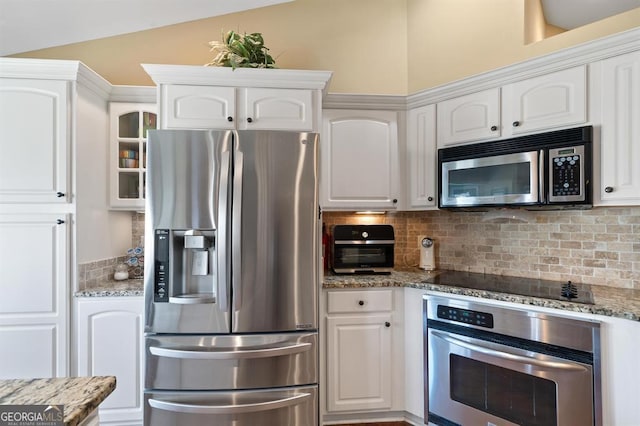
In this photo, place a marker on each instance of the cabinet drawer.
(359, 301)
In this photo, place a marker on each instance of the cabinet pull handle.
(516, 123)
(249, 120)
(59, 194)
(429, 198)
(494, 128)
(59, 221)
(608, 189)
(361, 302)
(395, 200)
(229, 118)
(387, 324)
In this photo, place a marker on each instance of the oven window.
(487, 181)
(362, 256)
(520, 398)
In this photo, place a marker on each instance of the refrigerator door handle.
(236, 231)
(222, 240)
(229, 409)
(231, 353)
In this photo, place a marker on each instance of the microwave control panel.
(566, 171)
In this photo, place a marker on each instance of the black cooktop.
(546, 289)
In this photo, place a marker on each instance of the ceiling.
(27, 25)
(570, 14)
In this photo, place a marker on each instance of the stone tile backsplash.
(598, 246)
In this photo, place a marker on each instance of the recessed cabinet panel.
(469, 118)
(109, 332)
(28, 351)
(31, 247)
(551, 100)
(198, 107)
(359, 363)
(359, 151)
(278, 109)
(421, 158)
(33, 116)
(620, 131)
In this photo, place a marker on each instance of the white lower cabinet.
(34, 260)
(364, 358)
(109, 333)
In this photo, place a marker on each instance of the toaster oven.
(362, 249)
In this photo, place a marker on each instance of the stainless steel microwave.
(545, 171)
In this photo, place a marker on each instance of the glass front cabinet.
(128, 139)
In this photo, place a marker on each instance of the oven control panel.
(465, 316)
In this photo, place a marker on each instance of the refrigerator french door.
(231, 251)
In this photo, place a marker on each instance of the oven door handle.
(507, 355)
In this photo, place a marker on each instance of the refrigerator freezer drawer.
(282, 407)
(227, 362)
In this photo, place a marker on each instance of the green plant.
(241, 51)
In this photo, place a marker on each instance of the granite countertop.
(608, 301)
(131, 287)
(79, 395)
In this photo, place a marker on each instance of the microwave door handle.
(236, 231)
(223, 231)
(506, 355)
(542, 190)
(180, 407)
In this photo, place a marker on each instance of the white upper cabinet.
(620, 131)
(34, 136)
(558, 99)
(421, 158)
(359, 160)
(471, 117)
(194, 97)
(554, 100)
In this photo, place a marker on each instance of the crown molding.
(143, 94)
(363, 101)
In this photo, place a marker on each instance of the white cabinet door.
(468, 118)
(215, 107)
(277, 109)
(197, 107)
(414, 352)
(421, 158)
(359, 154)
(34, 260)
(34, 136)
(620, 130)
(110, 343)
(359, 362)
(553, 100)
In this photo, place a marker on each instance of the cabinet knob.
(494, 128)
(395, 200)
(608, 189)
(360, 302)
(249, 120)
(516, 123)
(59, 194)
(229, 118)
(59, 221)
(387, 324)
(429, 198)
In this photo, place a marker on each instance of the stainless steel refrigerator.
(231, 278)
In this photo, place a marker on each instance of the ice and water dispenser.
(185, 266)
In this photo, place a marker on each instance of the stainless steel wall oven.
(499, 366)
